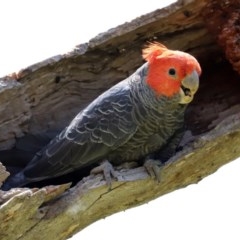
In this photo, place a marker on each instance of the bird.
(138, 118)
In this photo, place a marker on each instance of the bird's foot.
(154, 168)
(107, 169)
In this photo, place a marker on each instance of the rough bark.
(45, 96)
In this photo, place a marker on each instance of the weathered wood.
(3, 174)
(45, 97)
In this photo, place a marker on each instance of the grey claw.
(154, 168)
(107, 169)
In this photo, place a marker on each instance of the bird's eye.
(172, 72)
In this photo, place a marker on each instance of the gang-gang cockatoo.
(140, 115)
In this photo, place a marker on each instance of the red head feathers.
(168, 68)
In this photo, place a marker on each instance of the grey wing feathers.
(100, 128)
(107, 120)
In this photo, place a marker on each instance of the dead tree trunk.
(47, 95)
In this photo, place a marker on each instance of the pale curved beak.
(189, 87)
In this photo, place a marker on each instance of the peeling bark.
(46, 96)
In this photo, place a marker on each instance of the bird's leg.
(154, 162)
(107, 169)
(153, 168)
